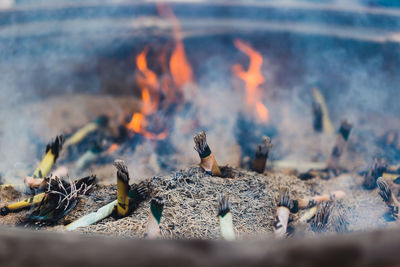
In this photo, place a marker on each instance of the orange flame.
(146, 77)
(179, 66)
(252, 78)
(147, 80)
(179, 74)
(262, 111)
(112, 148)
(138, 125)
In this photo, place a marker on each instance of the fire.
(177, 72)
(252, 78)
(136, 123)
(262, 111)
(112, 148)
(180, 69)
(179, 66)
(148, 78)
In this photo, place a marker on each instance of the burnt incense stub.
(262, 153)
(340, 145)
(320, 220)
(201, 146)
(285, 204)
(384, 190)
(60, 198)
(207, 159)
(317, 117)
(223, 205)
(376, 170)
(122, 170)
(123, 206)
(156, 207)
(56, 146)
(389, 198)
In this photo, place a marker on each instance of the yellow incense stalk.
(52, 152)
(80, 134)
(122, 188)
(327, 125)
(207, 159)
(37, 199)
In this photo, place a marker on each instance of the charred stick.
(262, 154)
(53, 186)
(340, 145)
(61, 197)
(207, 159)
(388, 197)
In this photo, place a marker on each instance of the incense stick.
(80, 134)
(207, 159)
(122, 188)
(262, 154)
(93, 217)
(319, 99)
(340, 145)
(389, 198)
(282, 213)
(52, 152)
(320, 220)
(225, 219)
(153, 223)
(375, 171)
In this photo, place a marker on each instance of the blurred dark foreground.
(27, 248)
